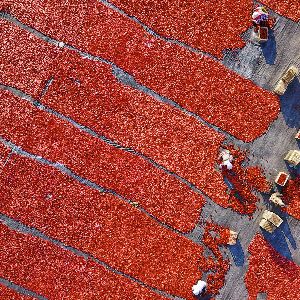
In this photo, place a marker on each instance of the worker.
(227, 159)
(261, 18)
(199, 288)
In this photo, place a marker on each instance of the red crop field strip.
(191, 155)
(46, 135)
(287, 8)
(206, 25)
(9, 294)
(100, 224)
(38, 14)
(26, 62)
(271, 273)
(166, 135)
(55, 273)
(198, 83)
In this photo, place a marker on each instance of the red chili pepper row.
(197, 23)
(9, 294)
(136, 120)
(46, 135)
(271, 273)
(197, 83)
(87, 92)
(55, 273)
(287, 8)
(26, 62)
(100, 224)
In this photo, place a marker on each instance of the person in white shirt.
(227, 159)
(199, 288)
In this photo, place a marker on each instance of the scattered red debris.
(9, 294)
(215, 236)
(197, 23)
(46, 135)
(256, 179)
(271, 273)
(244, 181)
(200, 84)
(100, 224)
(26, 62)
(55, 273)
(247, 204)
(291, 196)
(253, 176)
(287, 8)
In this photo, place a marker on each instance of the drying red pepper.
(196, 82)
(287, 8)
(271, 273)
(131, 176)
(213, 238)
(55, 273)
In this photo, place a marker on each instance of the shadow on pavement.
(285, 228)
(294, 171)
(269, 49)
(278, 242)
(237, 253)
(278, 238)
